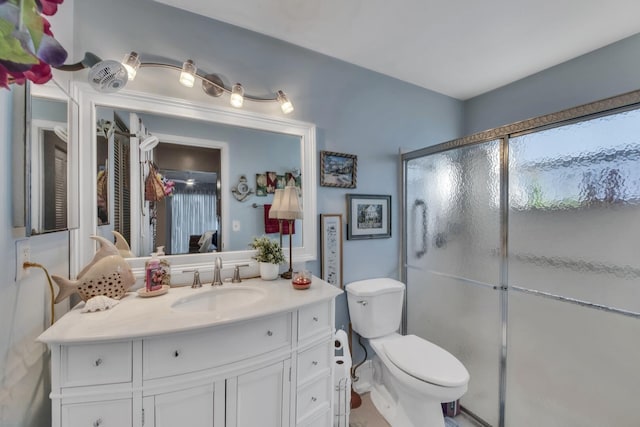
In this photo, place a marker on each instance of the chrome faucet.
(236, 273)
(217, 281)
(196, 278)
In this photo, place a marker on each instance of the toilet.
(412, 376)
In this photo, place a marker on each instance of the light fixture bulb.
(190, 181)
(285, 104)
(188, 74)
(131, 62)
(237, 95)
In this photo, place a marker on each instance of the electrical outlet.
(23, 254)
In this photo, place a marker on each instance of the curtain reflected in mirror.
(188, 219)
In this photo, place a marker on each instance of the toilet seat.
(426, 361)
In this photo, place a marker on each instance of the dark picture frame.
(338, 169)
(368, 216)
(331, 248)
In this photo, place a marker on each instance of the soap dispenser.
(153, 273)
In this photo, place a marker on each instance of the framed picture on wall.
(368, 216)
(338, 169)
(331, 248)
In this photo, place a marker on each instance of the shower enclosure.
(521, 256)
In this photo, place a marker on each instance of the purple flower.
(30, 53)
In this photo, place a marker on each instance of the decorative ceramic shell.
(99, 303)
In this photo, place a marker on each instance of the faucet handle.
(196, 278)
(236, 273)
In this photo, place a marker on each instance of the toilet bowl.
(416, 377)
(412, 376)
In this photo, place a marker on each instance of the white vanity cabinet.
(260, 398)
(314, 361)
(195, 406)
(273, 369)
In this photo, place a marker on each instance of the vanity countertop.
(137, 317)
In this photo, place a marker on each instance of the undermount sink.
(220, 299)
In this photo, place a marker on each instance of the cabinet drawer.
(192, 351)
(313, 362)
(109, 413)
(93, 364)
(312, 397)
(314, 320)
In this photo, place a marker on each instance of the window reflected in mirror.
(187, 221)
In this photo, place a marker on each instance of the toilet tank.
(375, 306)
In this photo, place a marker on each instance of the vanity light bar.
(213, 85)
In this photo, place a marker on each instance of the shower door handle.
(420, 212)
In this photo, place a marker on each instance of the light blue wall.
(24, 305)
(606, 72)
(356, 111)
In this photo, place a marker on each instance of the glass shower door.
(453, 262)
(574, 274)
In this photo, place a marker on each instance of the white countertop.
(137, 317)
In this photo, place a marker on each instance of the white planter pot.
(269, 271)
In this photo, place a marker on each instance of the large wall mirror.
(203, 151)
(42, 159)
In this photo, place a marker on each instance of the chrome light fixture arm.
(212, 84)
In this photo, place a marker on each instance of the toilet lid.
(426, 361)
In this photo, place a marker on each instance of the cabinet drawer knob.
(313, 399)
(315, 318)
(314, 363)
(97, 423)
(98, 362)
(176, 353)
(269, 333)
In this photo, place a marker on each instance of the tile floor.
(367, 416)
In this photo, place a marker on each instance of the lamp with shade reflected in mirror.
(289, 209)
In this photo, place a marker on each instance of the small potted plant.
(269, 254)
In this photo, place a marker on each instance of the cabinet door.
(193, 406)
(260, 398)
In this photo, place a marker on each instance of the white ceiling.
(461, 48)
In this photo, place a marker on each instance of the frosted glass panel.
(453, 242)
(453, 212)
(570, 366)
(465, 320)
(574, 195)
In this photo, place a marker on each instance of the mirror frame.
(83, 248)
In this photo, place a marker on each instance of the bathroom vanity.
(239, 355)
